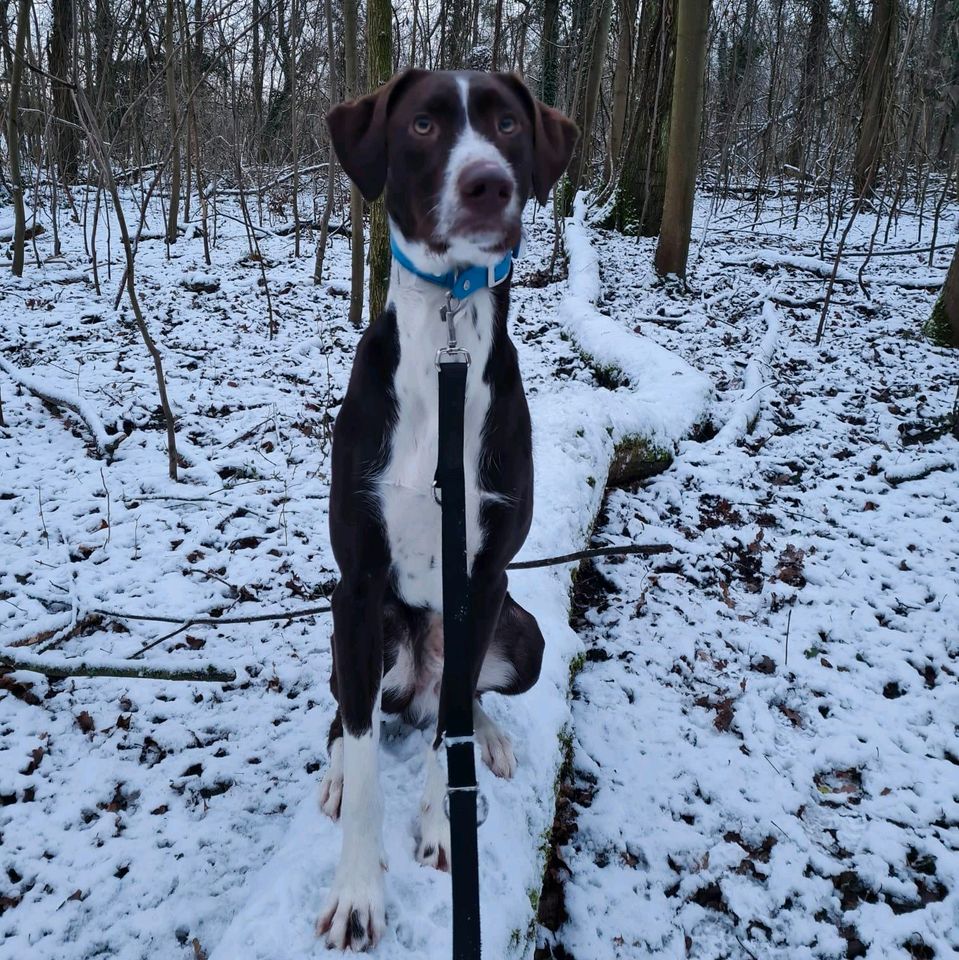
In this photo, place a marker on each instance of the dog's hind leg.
(515, 655)
(433, 846)
(511, 665)
(331, 788)
(496, 749)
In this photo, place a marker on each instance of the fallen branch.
(58, 398)
(642, 549)
(82, 667)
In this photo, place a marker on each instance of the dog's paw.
(331, 788)
(355, 914)
(433, 849)
(496, 749)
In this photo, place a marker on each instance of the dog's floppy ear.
(358, 131)
(554, 137)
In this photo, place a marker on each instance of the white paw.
(355, 914)
(433, 849)
(331, 789)
(495, 747)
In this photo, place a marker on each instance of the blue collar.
(460, 283)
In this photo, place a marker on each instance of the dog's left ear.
(554, 137)
(358, 131)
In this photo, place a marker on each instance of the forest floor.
(761, 737)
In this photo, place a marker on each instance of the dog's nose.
(485, 187)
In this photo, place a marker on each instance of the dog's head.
(459, 154)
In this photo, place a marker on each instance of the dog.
(458, 155)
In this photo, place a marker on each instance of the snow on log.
(745, 411)
(52, 665)
(666, 397)
(51, 393)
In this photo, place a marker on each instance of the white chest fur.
(410, 514)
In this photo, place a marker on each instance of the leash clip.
(451, 353)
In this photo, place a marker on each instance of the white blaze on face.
(470, 147)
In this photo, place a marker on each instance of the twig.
(643, 549)
(81, 667)
(215, 621)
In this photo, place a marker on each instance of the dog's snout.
(485, 187)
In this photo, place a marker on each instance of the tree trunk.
(801, 153)
(877, 89)
(550, 52)
(65, 136)
(456, 34)
(624, 70)
(331, 169)
(256, 93)
(642, 182)
(497, 34)
(941, 82)
(588, 95)
(685, 128)
(13, 137)
(350, 17)
(173, 214)
(943, 326)
(379, 45)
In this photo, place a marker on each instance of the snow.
(140, 815)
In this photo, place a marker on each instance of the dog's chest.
(410, 514)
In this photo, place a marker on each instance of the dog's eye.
(423, 125)
(507, 124)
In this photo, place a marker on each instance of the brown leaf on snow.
(724, 711)
(22, 691)
(85, 722)
(790, 569)
(36, 755)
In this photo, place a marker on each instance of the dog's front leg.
(355, 914)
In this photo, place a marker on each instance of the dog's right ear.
(358, 131)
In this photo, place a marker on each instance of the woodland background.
(736, 321)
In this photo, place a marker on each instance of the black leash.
(457, 689)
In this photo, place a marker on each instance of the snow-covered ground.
(177, 819)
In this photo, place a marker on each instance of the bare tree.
(625, 44)
(64, 133)
(13, 137)
(692, 21)
(587, 95)
(379, 40)
(350, 18)
(549, 52)
(173, 212)
(877, 77)
(641, 188)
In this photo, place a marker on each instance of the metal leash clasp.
(451, 353)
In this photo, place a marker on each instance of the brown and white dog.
(459, 154)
